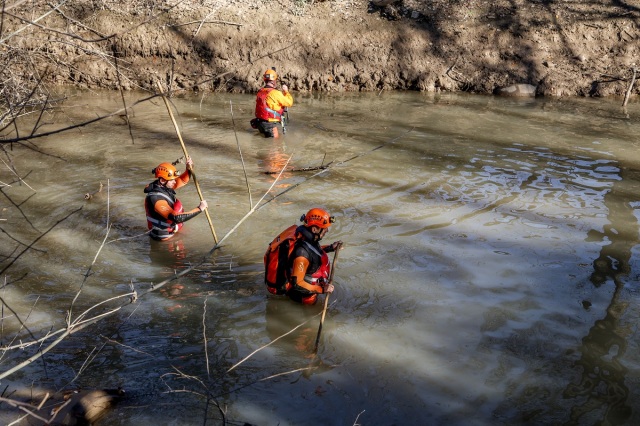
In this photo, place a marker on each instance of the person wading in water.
(295, 262)
(270, 105)
(165, 214)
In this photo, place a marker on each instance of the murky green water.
(489, 275)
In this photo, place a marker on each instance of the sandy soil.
(567, 48)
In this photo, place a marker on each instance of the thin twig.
(23, 323)
(204, 22)
(204, 333)
(65, 334)
(95, 258)
(326, 299)
(18, 31)
(244, 169)
(254, 208)
(126, 112)
(271, 343)
(75, 126)
(627, 95)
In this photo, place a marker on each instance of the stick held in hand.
(184, 149)
(326, 299)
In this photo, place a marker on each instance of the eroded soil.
(567, 48)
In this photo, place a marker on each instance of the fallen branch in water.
(89, 195)
(304, 169)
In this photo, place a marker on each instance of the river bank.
(560, 48)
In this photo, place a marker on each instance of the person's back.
(270, 105)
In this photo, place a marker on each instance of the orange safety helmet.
(270, 75)
(166, 171)
(317, 217)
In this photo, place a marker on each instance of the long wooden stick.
(326, 299)
(184, 149)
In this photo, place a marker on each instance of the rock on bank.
(560, 48)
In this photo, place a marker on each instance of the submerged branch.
(304, 169)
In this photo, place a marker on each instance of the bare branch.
(204, 22)
(271, 343)
(244, 169)
(2, 40)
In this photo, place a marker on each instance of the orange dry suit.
(310, 268)
(165, 214)
(270, 104)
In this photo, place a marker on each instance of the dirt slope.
(561, 48)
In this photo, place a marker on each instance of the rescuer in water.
(165, 214)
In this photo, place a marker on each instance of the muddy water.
(489, 275)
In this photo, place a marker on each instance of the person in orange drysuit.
(165, 214)
(308, 262)
(270, 105)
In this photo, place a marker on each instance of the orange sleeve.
(163, 208)
(299, 269)
(183, 179)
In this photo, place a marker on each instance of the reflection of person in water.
(602, 390)
(283, 316)
(171, 255)
(621, 233)
(603, 375)
(275, 161)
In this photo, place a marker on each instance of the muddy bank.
(560, 49)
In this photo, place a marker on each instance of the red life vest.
(321, 275)
(161, 228)
(263, 112)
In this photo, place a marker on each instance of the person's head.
(317, 221)
(166, 174)
(270, 76)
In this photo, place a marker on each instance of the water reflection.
(602, 392)
(489, 276)
(172, 255)
(602, 388)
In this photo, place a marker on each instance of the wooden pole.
(184, 149)
(326, 299)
